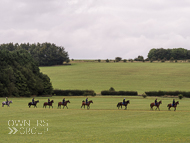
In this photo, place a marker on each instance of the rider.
(86, 100)
(48, 101)
(156, 102)
(173, 102)
(6, 99)
(124, 101)
(63, 101)
(32, 100)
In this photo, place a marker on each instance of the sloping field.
(102, 123)
(139, 77)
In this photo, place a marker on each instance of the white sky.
(98, 29)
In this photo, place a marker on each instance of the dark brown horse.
(87, 104)
(157, 106)
(35, 103)
(50, 104)
(65, 104)
(170, 105)
(121, 104)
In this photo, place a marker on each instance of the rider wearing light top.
(6, 100)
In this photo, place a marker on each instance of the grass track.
(139, 77)
(102, 123)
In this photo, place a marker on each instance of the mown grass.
(139, 77)
(102, 123)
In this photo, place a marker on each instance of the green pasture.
(138, 76)
(103, 122)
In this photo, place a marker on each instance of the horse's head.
(37, 101)
(177, 102)
(52, 101)
(68, 101)
(160, 102)
(10, 101)
(90, 101)
(128, 101)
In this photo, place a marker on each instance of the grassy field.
(139, 77)
(102, 123)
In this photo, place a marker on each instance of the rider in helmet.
(173, 102)
(156, 102)
(124, 101)
(63, 101)
(32, 100)
(6, 99)
(48, 101)
(86, 100)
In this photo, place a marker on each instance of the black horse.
(121, 104)
(35, 103)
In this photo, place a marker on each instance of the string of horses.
(119, 105)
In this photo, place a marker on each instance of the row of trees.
(168, 54)
(20, 75)
(46, 54)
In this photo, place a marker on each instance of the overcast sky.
(98, 29)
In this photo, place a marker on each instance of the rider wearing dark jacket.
(156, 102)
(123, 101)
(86, 100)
(32, 100)
(63, 101)
(173, 102)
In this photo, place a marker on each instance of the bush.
(144, 95)
(125, 60)
(117, 59)
(130, 93)
(99, 60)
(59, 92)
(162, 93)
(111, 89)
(107, 61)
(180, 96)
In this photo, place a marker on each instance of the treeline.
(169, 54)
(20, 75)
(46, 54)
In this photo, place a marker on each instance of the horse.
(65, 104)
(121, 104)
(50, 104)
(170, 105)
(87, 104)
(157, 106)
(35, 102)
(4, 103)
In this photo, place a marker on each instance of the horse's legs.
(66, 106)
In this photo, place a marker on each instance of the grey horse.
(4, 103)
